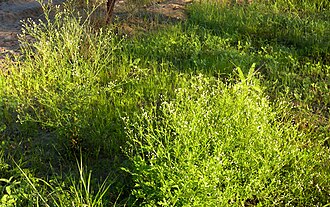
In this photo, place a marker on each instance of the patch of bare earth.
(170, 8)
(12, 12)
(150, 16)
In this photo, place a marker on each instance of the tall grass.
(290, 47)
(218, 145)
(68, 78)
(230, 108)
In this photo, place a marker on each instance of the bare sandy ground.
(170, 8)
(12, 12)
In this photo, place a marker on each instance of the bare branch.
(110, 7)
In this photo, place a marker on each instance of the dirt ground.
(12, 12)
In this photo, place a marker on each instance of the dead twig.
(110, 7)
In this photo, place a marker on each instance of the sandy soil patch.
(170, 8)
(12, 12)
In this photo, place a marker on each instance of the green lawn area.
(227, 108)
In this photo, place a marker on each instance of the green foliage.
(2, 111)
(238, 154)
(230, 107)
(290, 48)
(270, 23)
(69, 79)
(19, 187)
(14, 190)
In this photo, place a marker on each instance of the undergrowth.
(229, 108)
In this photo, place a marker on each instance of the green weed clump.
(216, 144)
(291, 48)
(66, 80)
(230, 108)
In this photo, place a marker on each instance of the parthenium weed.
(217, 144)
(201, 127)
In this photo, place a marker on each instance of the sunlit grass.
(230, 107)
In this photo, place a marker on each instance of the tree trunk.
(110, 6)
